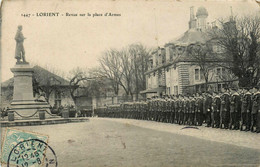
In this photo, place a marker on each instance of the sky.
(66, 42)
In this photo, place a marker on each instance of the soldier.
(246, 110)
(177, 111)
(172, 109)
(181, 110)
(192, 111)
(150, 109)
(163, 109)
(156, 109)
(199, 109)
(204, 110)
(225, 108)
(208, 108)
(145, 109)
(216, 105)
(234, 110)
(255, 110)
(168, 114)
(186, 109)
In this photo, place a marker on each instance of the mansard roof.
(191, 36)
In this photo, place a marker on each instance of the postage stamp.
(22, 148)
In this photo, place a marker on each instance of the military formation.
(234, 109)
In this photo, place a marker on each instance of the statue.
(19, 50)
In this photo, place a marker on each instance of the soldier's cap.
(256, 87)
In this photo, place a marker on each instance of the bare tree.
(77, 76)
(126, 68)
(110, 67)
(140, 57)
(239, 37)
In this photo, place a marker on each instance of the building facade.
(173, 71)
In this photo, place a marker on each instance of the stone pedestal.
(23, 101)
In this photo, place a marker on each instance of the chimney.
(192, 22)
(192, 13)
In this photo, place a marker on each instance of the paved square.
(123, 142)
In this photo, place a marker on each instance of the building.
(173, 71)
(56, 88)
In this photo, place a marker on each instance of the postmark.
(15, 137)
(32, 152)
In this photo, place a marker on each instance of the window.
(220, 73)
(168, 90)
(57, 100)
(197, 75)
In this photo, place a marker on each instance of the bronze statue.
(19, 50)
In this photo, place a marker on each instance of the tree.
(110, 67)
(140, 56)
(84, 83)
(126, 68)
(239, 37)
(77, 76)
(45, 80)
(201, 56)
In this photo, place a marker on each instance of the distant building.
(172, 71)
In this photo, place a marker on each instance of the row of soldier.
(230, 109)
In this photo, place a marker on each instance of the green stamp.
(21, 148)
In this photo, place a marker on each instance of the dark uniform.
(208, 109)
(181, 111)
(198, 110)
(246, 111)
(186, 110)
(177, 110)
(172, 110)
(216, 105)
(225, 110)
(235, 109)
(255, 112)
(192, 111)
(168, 113)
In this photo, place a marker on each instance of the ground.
(105, 142)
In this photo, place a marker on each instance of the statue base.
(23, 101)
(26, 109)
